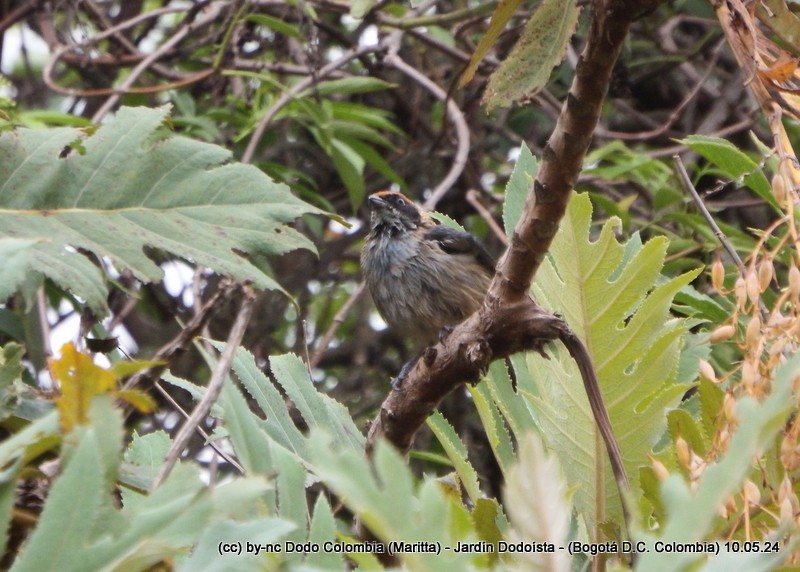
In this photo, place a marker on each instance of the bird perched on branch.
(423, 277)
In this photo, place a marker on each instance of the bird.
(424, 277)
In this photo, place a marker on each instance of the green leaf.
(456, 452)
(387, 501)
(349, 85)
(292, 505)
(541, 47)
(317, 409)
(494, 425)
(16, 254)
(500, 17)
(536, 500)
(323, 529)
(132, 188)
(350, 167)
(206, 557)
(274, 24)
(518, 187)
(77, 496)
(733, 163)
(607, 293)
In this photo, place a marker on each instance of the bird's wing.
(455, 241)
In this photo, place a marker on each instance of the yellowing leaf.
(138, 399)
(500, 17)
(80, 381)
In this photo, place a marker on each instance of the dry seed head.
(728, 408)
(753, 288)
(752, 492)
(722, 333)
(740, 289)
(659, 469)
(794, 282)
(785, 492)
(748, 376)
(753, 332)
(723, 438)
(790, 452)
(787, 514)
(730, 504)
(707, 371)
(717, 275)
(765, 273)
(682, 452)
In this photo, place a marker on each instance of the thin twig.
(212, 391)
(47, 72)
(44, 325)
(455, 115)
(673, 117)
(687, 184)
(200, 431)
(210, 16)
(174, 347)
(323, 344)
(486, 215)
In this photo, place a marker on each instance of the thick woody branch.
(486, 336)
(563, 155)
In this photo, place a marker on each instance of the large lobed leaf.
(124, 188)
(607, 292)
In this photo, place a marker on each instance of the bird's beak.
(376, 202)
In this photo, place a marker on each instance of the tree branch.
(510, 321)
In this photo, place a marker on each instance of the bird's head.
(394, 212)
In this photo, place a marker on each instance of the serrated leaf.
(494, 425)
(16, 254)
(292, 505)
(682, 424)
(541, 47)
(323, 529)
(10, 363)
(711, 400)
(206, 557)
(384, 496)
(80, 380)
(140, 400)
(536, 500)
(77, 497)
(517, 188)
(634, 343)
(456, 452)
(130, 190)
(278, 424)
(500, 17)
(317, 409)
(734, 163)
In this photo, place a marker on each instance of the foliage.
(606, 292)
(235, 120)
(122, 188)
